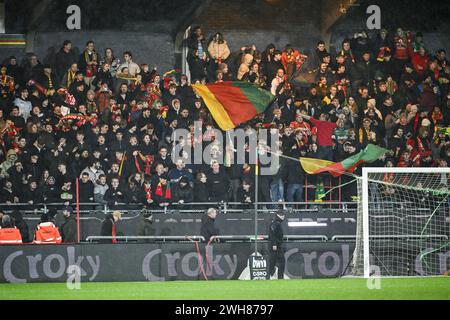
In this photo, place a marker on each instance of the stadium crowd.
(109, 120)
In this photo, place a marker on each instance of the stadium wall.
(262, 22)
(162, 262)
(153, 48)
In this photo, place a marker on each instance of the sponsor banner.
(164, 262)
(258, 268)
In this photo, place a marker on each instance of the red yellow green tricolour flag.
(232, 103)
(12, 40)
(315, 166)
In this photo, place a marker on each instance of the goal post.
(365, 222)
(403, 222)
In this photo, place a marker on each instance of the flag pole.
(256, 194)
(78, 210)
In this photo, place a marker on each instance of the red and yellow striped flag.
(315, 166)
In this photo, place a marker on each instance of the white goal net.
(403, 226)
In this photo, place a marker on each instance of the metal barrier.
(392, 237)
(154, 238)
(344, 238)
(40, 208)
(409, 236)
(305, 238)
(194, 207)
(229, 238)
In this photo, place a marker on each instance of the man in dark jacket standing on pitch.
(276, 248)
(208, 228)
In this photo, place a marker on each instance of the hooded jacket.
(11, 157)
(276, 234)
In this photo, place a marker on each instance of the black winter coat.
(145, 229)
(218, 186)
(22, 226)
(7, 195)
(276, 234)
(197, 67)
(242, 195)
(294, 173)
(186, 194)
(134, 196)
(103, 77)
(68, 230)
(114, 195)
(208, 228)
(52, 194)
(36, 196)
(63, 62)
(201, 193)
(86, 191)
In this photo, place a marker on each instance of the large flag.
(315, 166)
(232, 103)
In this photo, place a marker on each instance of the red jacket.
(47, 233)
(401, 48)
(10, 236)
(324, 131)
(420, 63)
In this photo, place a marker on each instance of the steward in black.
(208, 228)
(276, 248)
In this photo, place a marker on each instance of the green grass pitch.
(334, 289)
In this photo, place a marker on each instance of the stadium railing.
(227, 238)
(151, 238)
(193, 207)
(392, 237)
